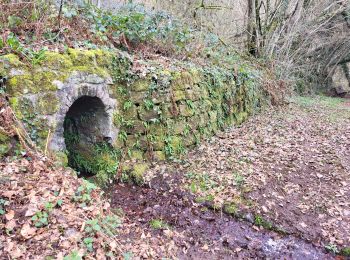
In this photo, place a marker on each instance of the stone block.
(167, 110)
(138, 172)
(138, 97)
(47, 104)
(179, 95)
(136, 154)
(147, 115)
(137, 128)
(185, 110)
(140, 85)
(158, 143)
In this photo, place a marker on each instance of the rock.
(340, 82)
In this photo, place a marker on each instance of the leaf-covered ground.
(275, 187)
(287, 169)
(292, 166)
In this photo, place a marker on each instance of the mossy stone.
(179, 95)
(3, 71)
(140, 85)
(241, 117)
(193, 122)
(181, 80)
(156, 129)
(103, 73)
(11, 60)
(130, 112)
(119, 144)
(82, 57)
(104, 58)
(43, 80)
(161, 97)
(176, 142)
(23, 107)
(159, 155)
(61, 159)
(137, 142)
(189, 140)
(167, 109)
(5, 145)
(48, 104)
(19, 85)
(213, 115)
(147, 115)
(56, 60)
(137, 128)
(33, 82)
(196, 76)
(185, 110)
(193, 95)
(138, 171)
(138, 97)
(136, 154)
(177, 126)
(158, 143)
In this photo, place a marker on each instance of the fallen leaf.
(10, 215)
(27, 231)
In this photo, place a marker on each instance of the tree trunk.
(251, 28)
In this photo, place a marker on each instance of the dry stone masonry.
(144, 109)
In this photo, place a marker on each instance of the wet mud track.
(206, 234)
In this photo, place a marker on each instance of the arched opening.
(86, 137)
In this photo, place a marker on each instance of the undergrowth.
(29, 29)
(99, 159)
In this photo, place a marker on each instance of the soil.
(203, 233)
(290, 166)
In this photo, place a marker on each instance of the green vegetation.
(73, 256)
(231, 209)
(83, 193)
(107, 225)
(332, 248)
(158, 224)
(40, 219)
(200, 183)
(330, 102)
(345, 251)
(261, 222)
(3, 204)
(100, 159)
(239, 179)
(34, 57)
(161, 112)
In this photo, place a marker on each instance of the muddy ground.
(199, 232)
(284, 177)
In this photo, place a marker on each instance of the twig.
(47, 141)
(59, 14)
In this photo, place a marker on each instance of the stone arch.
(72, 91)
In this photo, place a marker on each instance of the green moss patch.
(5, 145)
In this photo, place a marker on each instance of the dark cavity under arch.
(85, 125)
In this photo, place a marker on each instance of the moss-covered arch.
(68, 95)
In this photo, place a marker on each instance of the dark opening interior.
(84, 128)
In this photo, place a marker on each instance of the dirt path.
(286, 170)
(167, 213)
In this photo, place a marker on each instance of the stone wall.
(155, 110)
